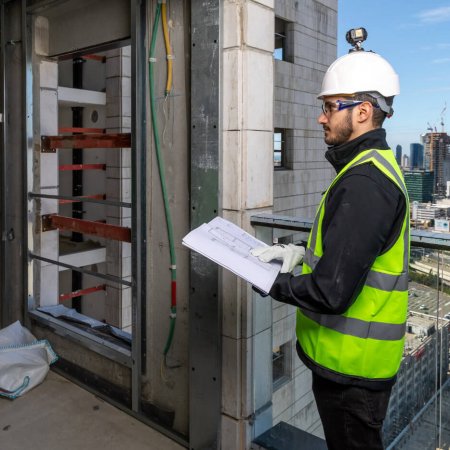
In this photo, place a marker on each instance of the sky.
(414, 36)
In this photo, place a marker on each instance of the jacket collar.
(339, 156)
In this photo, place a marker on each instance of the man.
(352, 294)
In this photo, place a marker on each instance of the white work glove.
(291, 255)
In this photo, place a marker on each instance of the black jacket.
(363, 219)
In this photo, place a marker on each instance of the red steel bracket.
(46, 223)
(81, 292)
(49, 144)
(90, 227)
(82, 167)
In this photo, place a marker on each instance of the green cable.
(171, 331)
(152, 60)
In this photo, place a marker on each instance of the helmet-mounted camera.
(355, 37)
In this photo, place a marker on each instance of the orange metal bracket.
(119, 140)
(82, 167)
(105, 230)
(81, 292)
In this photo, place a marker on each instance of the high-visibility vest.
(367, 340)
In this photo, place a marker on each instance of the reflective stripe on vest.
(359, 328)
(378, 280)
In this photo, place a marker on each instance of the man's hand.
(291, 255)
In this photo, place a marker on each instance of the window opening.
(82, 245)
(281, 35)
(281, 365)
(279, 145)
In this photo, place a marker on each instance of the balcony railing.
(419, 410)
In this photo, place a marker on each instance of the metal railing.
(417, 415)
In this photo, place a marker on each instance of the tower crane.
(442, 116)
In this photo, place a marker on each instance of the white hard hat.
(360, 71)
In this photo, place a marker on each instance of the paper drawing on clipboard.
(229, 246)
(237, 244)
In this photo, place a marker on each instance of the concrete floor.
(59, 415)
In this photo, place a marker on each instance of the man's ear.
(365, 112)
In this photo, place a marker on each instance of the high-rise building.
(436, 153)
(416, 153)
(415, 380)
(419, 184)
(405, 161)
(398, 154)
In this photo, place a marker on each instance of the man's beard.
(341, 133)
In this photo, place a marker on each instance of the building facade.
(398, 155)
(436, 152)
(419, 184)
(416, 153)
(309, 48)
(418, 374)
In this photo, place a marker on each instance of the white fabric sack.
(24, 361)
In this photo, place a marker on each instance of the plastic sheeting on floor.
(24, 360)
(62, 312)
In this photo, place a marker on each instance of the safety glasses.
(339, 105)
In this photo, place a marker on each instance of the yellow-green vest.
(367, 340)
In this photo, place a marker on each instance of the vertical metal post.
(2, 159)
(12, 176)
(138, 221)
(204, 304)
(261, 376)
(77, 177)
(27, 204)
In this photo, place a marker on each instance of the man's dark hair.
(378, 114)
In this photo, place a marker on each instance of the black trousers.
(351, 416)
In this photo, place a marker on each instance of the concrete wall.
(169, 386)
(311, 33)
(311, 47)
(246, 188)
(253, 326)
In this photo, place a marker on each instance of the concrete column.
(247, 188)
(118, 184)
(45, 168)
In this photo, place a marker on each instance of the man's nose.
(322, 118)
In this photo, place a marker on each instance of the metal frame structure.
(50, 144)
(137, 140)
(419, 238)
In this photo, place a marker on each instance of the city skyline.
(415, 39)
